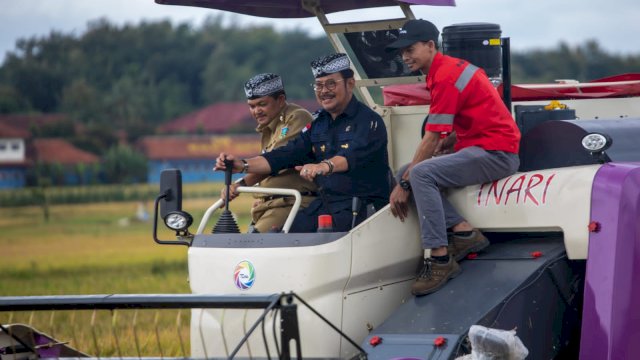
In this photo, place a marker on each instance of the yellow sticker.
(494, 41)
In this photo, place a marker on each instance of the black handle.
(355, 209)
(228, 165)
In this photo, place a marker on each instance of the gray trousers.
(469, 166)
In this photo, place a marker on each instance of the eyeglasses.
(330, 85)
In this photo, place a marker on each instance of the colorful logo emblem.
(244, 275)
(283, 132)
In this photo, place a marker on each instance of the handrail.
(135, 301)
(283, 302)
(578, 85)
(257, 190)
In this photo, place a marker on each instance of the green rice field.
(101, 248)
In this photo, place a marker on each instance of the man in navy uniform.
(344, 150)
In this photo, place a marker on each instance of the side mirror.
(171, 186)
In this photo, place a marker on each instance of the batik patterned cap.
(330, 64)
(263, 85)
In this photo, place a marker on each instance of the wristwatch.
(245, 166)
(405, 184)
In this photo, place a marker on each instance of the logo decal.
(244, 275)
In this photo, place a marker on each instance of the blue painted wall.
(193, 170)
(12, 177)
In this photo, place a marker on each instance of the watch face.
(405, 184)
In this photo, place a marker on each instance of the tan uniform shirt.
(286, 126)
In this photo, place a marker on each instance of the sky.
(530, 24)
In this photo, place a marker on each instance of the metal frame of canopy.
(335, 32)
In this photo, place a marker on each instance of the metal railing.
(283, 304)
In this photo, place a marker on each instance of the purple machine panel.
(610, 317)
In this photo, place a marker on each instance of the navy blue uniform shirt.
(359, 135)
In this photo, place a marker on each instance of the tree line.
(135, 77)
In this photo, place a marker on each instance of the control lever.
(227, 222)
(355, 209)
(228, 165)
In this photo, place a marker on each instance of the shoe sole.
(432, 290)
(479, 247)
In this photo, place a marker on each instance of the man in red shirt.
(465, 109)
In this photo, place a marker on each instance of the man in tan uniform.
(278, 122)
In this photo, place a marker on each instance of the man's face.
(333, 92)
(266, 108)
(419, 55)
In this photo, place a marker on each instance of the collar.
(349, 111)
(352, 108)
(435, 65)
(271, 125)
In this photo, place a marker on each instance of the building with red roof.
(59, 151)
(19, 152)
(201, 140)
(221, 118)
(194, 142)
(194, 155)
(13, 160)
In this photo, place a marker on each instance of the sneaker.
(462, 245)
(434, 275)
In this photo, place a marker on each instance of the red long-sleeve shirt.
(464, 100)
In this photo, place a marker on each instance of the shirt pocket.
(319, 143)
(344, 140)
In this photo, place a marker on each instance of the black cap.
(412, 32)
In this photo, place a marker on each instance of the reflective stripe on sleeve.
(465, 77)
(440, 119)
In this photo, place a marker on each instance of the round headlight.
(596, 142)
(178, 220)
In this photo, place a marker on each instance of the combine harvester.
(565, 229)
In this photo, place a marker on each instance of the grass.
(100, 249)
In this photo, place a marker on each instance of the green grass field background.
(101, 248)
